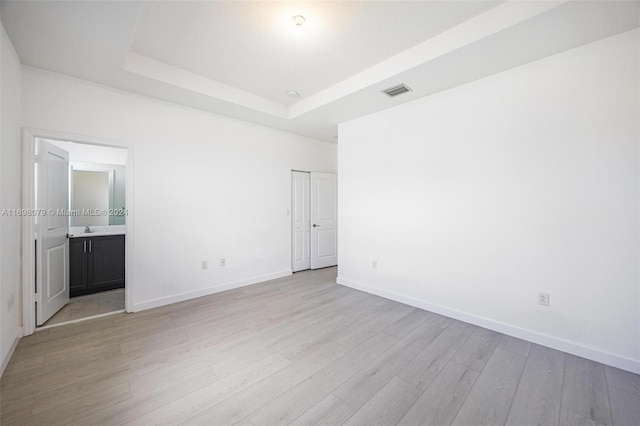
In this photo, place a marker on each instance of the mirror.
(97, 196)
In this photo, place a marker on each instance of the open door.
(300, 226)
(52, 228)
(324, 219)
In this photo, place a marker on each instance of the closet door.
(300, 217)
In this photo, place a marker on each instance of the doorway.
(76, 255)
(314, 220)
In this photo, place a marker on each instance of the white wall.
(206, 187)
(475, 199)
(10, 196)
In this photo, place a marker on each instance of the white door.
(52, 244)
(300, 217)
(324, 220)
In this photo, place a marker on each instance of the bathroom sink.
(96, 231)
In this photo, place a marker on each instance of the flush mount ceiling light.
(293, 94)
(298, 21)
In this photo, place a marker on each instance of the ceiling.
(240, 58)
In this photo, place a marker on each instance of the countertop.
(96, 231)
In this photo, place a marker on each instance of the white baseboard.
(624, 363)
(12, 349)
(162, 301)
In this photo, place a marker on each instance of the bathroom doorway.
(97, 220)
(83, 186)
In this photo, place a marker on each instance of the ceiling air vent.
(397, 90)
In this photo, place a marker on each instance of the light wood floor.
(88, 306)
(303, 350)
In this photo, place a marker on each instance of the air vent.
(397, 90)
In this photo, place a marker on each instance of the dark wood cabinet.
(96, 264)
(77, 266)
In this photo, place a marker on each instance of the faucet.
(87, 230)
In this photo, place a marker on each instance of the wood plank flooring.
(302, 350)
(89, 305)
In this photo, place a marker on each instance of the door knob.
(314, 225)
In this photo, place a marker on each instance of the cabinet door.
(77, 266)
(106, 262)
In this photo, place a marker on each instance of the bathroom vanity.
(96, 262)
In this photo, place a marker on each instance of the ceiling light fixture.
(293, 94)
(298, 21)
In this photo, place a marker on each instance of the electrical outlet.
(374, 264)
(223, 262)
(543, 299)
(204, 265)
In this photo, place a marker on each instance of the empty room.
(320, 212)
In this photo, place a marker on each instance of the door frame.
(29, 137)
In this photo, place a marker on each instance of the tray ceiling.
(240, 58)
